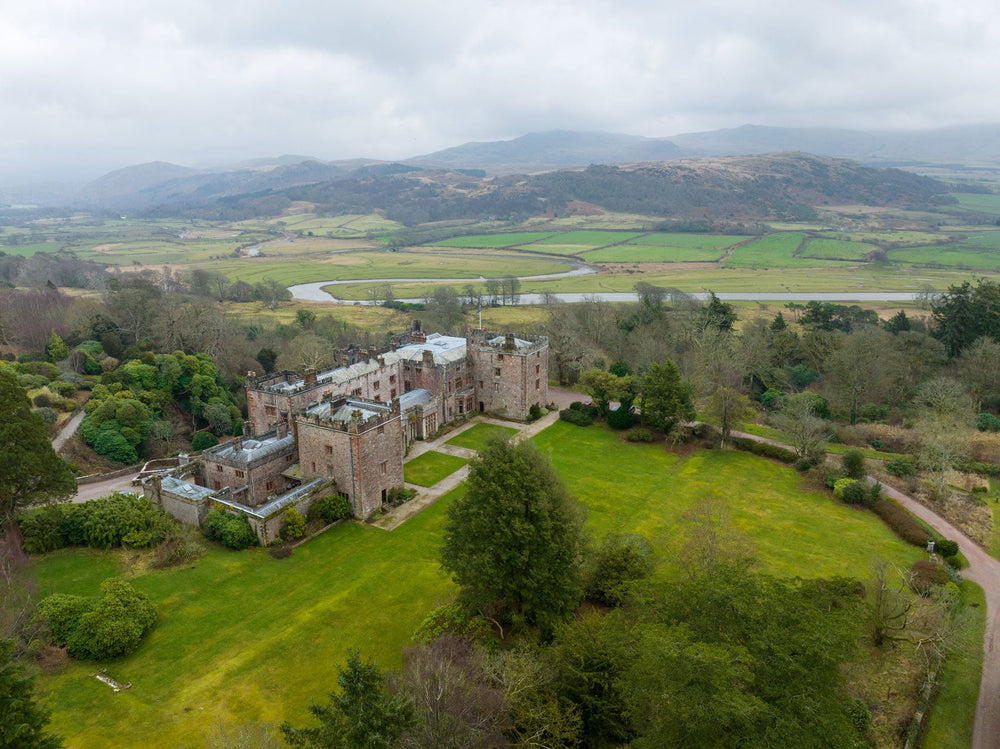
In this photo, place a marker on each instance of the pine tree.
(22, 720)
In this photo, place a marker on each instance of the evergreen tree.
(22, 720)
(30, 471)
(513, 541)
(666, 399)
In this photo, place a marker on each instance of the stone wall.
(510, 379)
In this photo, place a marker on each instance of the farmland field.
(633, 253)
(773, 251)
(694, 241)
(590, 238)
(979, 251)
(836, 249)
(498, 241)
(982, 203)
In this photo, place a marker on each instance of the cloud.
(96, 85)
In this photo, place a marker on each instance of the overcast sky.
(92, 85)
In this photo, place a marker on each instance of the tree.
(363, 715)
(944, 423)
(804, 428)
(861, 369)
(513, 541)
(605, 387)
(666, 399)
(30, 471)
(22, 720)
(718, 314)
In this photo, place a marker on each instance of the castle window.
(538, 368)
(375, 386)
(383, 467)
(406, 386)
(392, 379)
(480, 383)
(496, 371)
(288, 458)
(270, 410)
(328, 449)
(218, 468)
(313, 464)
(239, 474)
(496, 387)
(536, 384)
(458, 384)
(499, 357)
(392, 393)
(356, 391)
(270, 485)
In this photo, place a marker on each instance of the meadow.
(431, 467)
(494, 241)
(245, 638)
(773, 251)
(836, 249)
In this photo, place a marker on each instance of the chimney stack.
(310, 376)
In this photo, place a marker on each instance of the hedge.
(765, 449)
(900, 521)
(579, 418)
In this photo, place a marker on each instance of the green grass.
(950, 723)
(431, 467)
(794, 531)
(508, 239)
(776, 250)
(830, 447)
(981, 203)
(837, 249)
(586, 238)
(477, 437)
(243, 638)
(631, 253)
(691, 241)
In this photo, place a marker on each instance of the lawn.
(634, 253)
(794, 531)
(692, 241)
(477, 437)
(950, 723)
(431, 467)
(243, 638)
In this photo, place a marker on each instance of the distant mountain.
(551, 150)
(973, 145)
(122, 183)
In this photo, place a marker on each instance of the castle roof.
(446, 349)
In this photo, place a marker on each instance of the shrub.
(573, 416)
(203, 441)
(851, 491)
(621, 418)
(620, 561)
(105, 523)
(853, 463)
(957, 561)
(65, 389)
(330, 508)
(114, 625)
(46, 414)
(925, 576)
(640, 434)
(764, 449)
(534, 413)
(901, 522)
(400, 494)
(42, 400)
(588, 408)
(137, 539)
(453, 619)
(903, 467)
(987, 422)
(946, 547)
(42, 529)
(229, 529)
(182, 546)
(293, 525)
(61, 613)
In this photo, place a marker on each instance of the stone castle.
(347, 429)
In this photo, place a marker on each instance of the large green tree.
(30, 471)
(22, 720)
(513, 542)
(666, 398)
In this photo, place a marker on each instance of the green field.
(836, 249)
(979, 251)
(773, 251)
(633, 253)
(431, 467)
(692, 241)
(590, 238)
(477, 437)
(244, 638)
(981, 203)
(511, 239)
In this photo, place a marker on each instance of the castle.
(347, 429)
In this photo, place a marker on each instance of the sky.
(87, 86)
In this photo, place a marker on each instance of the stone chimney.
(428, 357)
(248, 428)
(508, 343)
(237, 444)
(282, 429)
(310, 376)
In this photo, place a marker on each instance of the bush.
(574, 416)
(587, 408)
(957, 561)
(621, 418)
(946, 547)
(902, 467)
(901, 522)
(137, 539)
(330, 508)
(42, 400)
(293, 525)
(987, 422)
(182, 546)
(764, 449)
(620, 561)
(640, 434)
(851, 491)
(229, 529)
(853, 463)
(534, 413)
(400, 494)
(97, 629)
(453, 619)
(46, 414)
(925, 576)
(65, 389)
(120, 519)
(203, 441)
(42, 529)
(114, 625)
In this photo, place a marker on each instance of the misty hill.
(550, 150)
(561, 148)
(727, 189)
